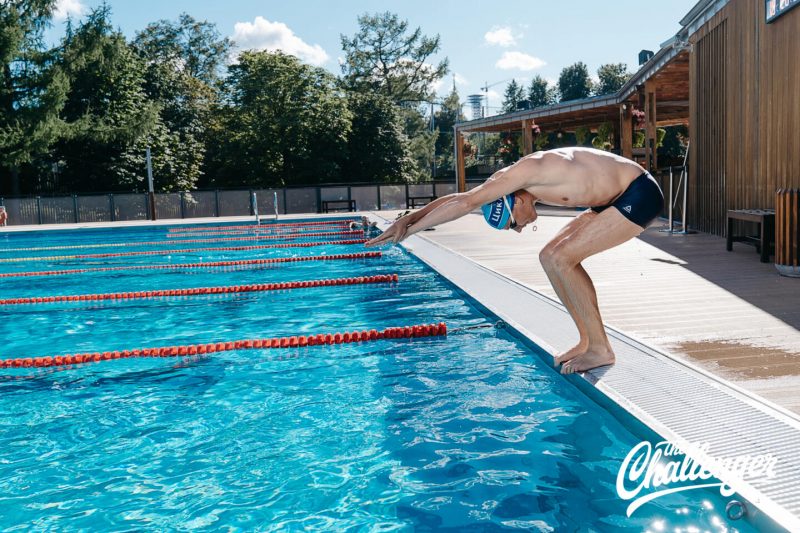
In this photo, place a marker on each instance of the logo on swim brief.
(653, 470)
(627, 208)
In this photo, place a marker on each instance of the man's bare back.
(576, 177)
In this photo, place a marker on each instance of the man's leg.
(566, 232)
(562, 260)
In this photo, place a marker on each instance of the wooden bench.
(414, 201)
(338, 205)
(763, 242)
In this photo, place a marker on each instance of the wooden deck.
(725, 311)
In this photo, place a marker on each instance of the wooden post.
(527, 137)
(461, 175)
(626, 130)
(650, 131)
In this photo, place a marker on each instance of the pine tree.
(540, 93)
(513, 95)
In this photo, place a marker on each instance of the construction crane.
(485, 90)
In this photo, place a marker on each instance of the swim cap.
(496, 213)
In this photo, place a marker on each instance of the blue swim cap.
(496, 214)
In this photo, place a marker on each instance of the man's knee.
(556, 256)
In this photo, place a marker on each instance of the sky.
(486, 43)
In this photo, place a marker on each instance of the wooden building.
(732, 74)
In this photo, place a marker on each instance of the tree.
(281, 122)
(377, 148)
(574, 82)
(514, 95)
(612, 77)
(384, 58)
(184, 60)
(445, 119)
(31, 93)
(191, 47)
(540, 93)
(109, 119)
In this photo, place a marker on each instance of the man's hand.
(394, 234)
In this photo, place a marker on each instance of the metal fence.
(222, 203)
(219, 203)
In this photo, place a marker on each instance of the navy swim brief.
(641, 202)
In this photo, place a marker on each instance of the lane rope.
(184, 250)
(202, 291)
(210, 264)
(173, 243)
(295, 341)
(280, 225)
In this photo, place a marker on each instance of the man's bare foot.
(572, 353)
(587, 361)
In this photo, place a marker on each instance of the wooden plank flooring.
(724, 311)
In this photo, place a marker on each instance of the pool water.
(469, 432)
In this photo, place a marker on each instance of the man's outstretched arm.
(453, 206)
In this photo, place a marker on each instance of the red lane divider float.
(202, 291)
(299, 341)
(185, 250)
(210, 264)
(173, 243)
(281, 225)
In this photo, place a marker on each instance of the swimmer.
(364, 224)
(3, 215)
(622, 199)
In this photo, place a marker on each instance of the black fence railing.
(221, 203)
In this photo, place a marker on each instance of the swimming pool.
(472, 431)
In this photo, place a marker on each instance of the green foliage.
(383, 57)
(604, 140)
(581, 134)
(612, 77)
(638, 139)
(31, 95)
(444, 120)
(281, 123)
(574, 82)
(190, 47)
(377, 148)
(660, 134)
(514, 94)
(109, 119)
(80, 116)
(673, 145)
(540, 93)
(184, 60)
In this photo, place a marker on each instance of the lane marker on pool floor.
(185, 251)
(173, 243)
(202, 291)
(298, 341)
(210, 264)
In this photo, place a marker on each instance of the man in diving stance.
(621, 197)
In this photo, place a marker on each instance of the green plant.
(581, 134)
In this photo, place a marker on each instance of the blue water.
(472, 432)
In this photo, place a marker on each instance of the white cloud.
(460, 80)
(261, 34)
(519, 61)
(68, 8)
(501, 36)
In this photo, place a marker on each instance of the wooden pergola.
(660, 88)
